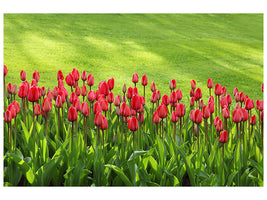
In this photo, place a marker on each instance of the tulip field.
(97, 138)
(133, 100)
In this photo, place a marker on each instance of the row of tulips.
(98, 105)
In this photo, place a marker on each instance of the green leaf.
(26, 132)
(257, 166)
(23, 166)
(120, 173)
(136, 154)
(231, 178)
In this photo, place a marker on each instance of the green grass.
(225, 47)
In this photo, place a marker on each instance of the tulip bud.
(198, 94)
(180, 111)
(210, 83)
(223, 138)
(152, 87)
(219, 125)
(192, 115)
(154, 97)
(111, 84)
(193, 84)
(192, 93)
(75, 74)
(59, 103)
(156, 118)
(9, 88)
(78, 91)
(179, 94)
(174, 117)
(98, 119)
(252, 120)
(72, 114)
(224, 102)
(129, 92)
(135, 78)
(224, 90)
(249, 104)
(23, 75)
(85, 109)
(117, 100)
(192, 101)
(245, 114)
(144, 80)
(91, 96)
(84, 76)
(8, 116)
(242, 97)
(259, 105)
(201, 104)
(133, 124)
(90, 80)
(237, 116)
(198, 116)
(165, 100)
(206, 112)
(218, 89)
(33, 95)
(70, 80)
(97, 107)
(47, 105)
(36, 76)
(60, 75)
(135, 102)
(16, 106)
(37, 109)
(12, 109)
(226, 113)
(172, 84)
(135, 91)
(124, 88)
(5, 70)
(163, 111)
(104, 123)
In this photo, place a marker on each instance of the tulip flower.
(133, 126)
(70, 81)
(193, 84)
(77, 104)
(249, 104)
(152, 87)
(97, 107)
(84, 77)
(60, 75)
(144, 83)
(90, 80)
(172, 84)
(135, 79)
(180, 111)
(77, 91)
(72, 117)
(23, 75)
(210, 84)
(198, 94)
(75, 74)
(36, 76)
(165, 100)
(192, 93)
(192, 102)
(179, 95)
(223, 138)
(237, 117)
(111, 84)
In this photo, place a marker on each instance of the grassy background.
(225, 47)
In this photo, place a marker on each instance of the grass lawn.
(225, 47)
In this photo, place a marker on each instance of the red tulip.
(90, 80)
(117, 100)
(192, 115)
(242, 97)
(43, 91)
(179, 94)
(12, 109)
(22, 93)
(60, 83)
(110, 97)
(133, 124)
(237, 116)
(98, 119)
(111, 84)
(104, 105)
(104, 123)
(8, 116)
(219, 125)
(34, 82)
(211, 107)
(192, 93)
(156, 118)
(50, 95)
(201, 103)
(33, 95)
(252, 120)
(174, 117)
(55, 91)
(77, 91)
(144, 80)
(59, 102)
(129, 92)
(210, 83)
(37, 109)
(259, 104)
(165, 100)
(163, 111)
(237, 97)
(249, 104)
(198, 116)
(237, 106)
(152, 87)
(97, 107)
(235, 91)
(103, 88)
(244, 114)
(60, 75)
(63, 89)
(223, 138)
(173, 97)
(70, 80)
(180, 110)
(143, 100)
(84, 76)
(72, 114)
(218, 89)
(211, 99)
(16, 106)
(193, 84)
(135, 78)
(224, 90)
(72, 97)
(229, 99)
(91, 96)
(136, 102)
(85, 109)
(224, 102)
(135, 91)
(226, 113)
(206, 112)
(84, 91)
(36, 76)
(192, 101)
(154, 97)
(5, 70)
(141, 118)
(62, 95)
(127, 112)
(23, 75)
(47, 105)
(172, 84)
(124, 88)
(75, 74)
(9, 88)
(198, 94)
(14, 89)
(77, 104)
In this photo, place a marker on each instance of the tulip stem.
(103, 139)
(72, 130)
(237, 131)
(174, 131)
(85, 131)
(133, 141)
(8, 133)
(223, 156)
(180, 130)
(121, 129)
(45, 124)
(206, 130)
(98, 135)
(211, 133)
(15, 132)
(33, 129)
(197, 137)
(58, 117)
(144, 91)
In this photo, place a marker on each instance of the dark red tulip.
(226, 113)
(98, 119)
(237, 116)
(72, 114)
(218, 89)
(133, 124)
(129, 92)
(90, 80)
(33, 95)
(135, 78)
(85, 109)
(111, 83)
(8, 116)
(144, 80)
(198, 94)
(36, 76)
(249, 104)
(172, 84)
(259, 104)
(97, 107)
(206, 111)
(75, 74)
(252, 120)
(91, 96)
(84, 76)
(104, 123)
(193, 84)
(223, 138)
(37, 109)
(152, 87)
(60, 75)
(136, 102)
(210, 83)
(179, 94)
(242, 97)
(5, 70)
(70, 80)
(174, 117)
(156, 118)
(163, 111)
(165, 100)
(192, 101)
(23, 76)
(198, 116)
